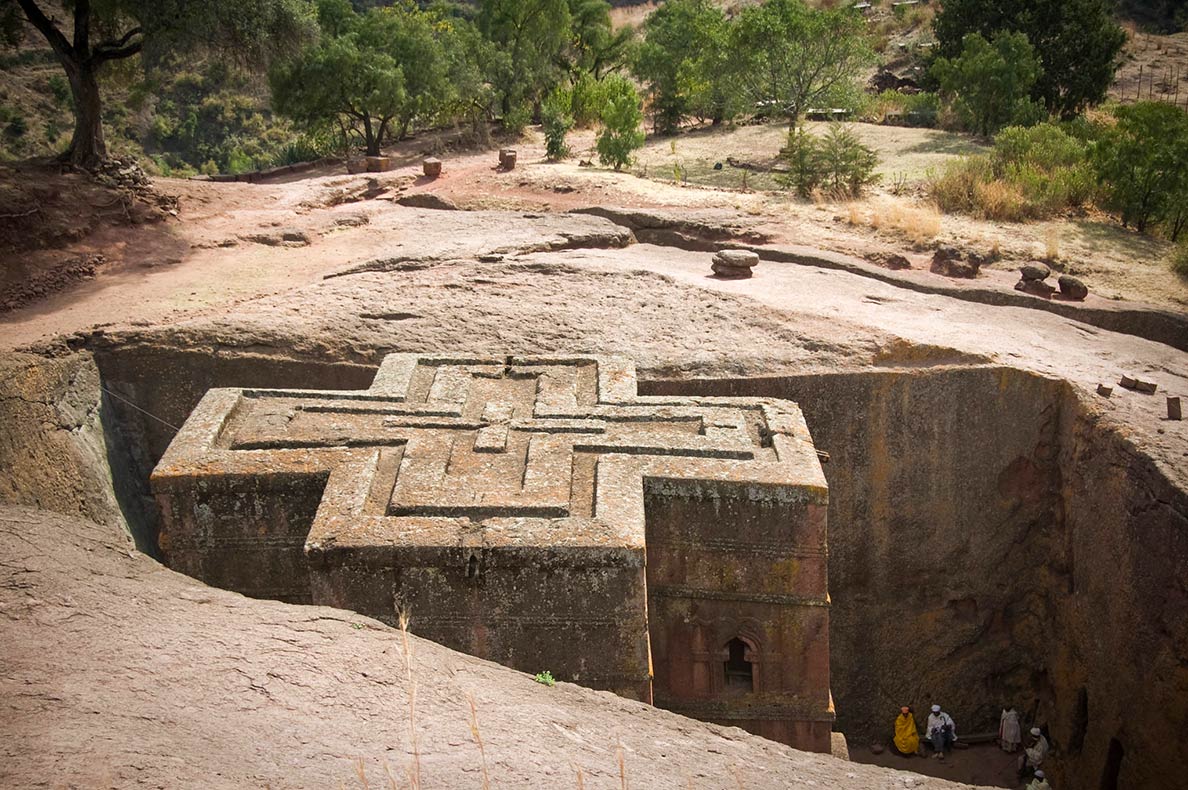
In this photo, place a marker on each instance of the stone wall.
(52, 446)
(1117, 645)
(724, 568)
(991, 541)
(967, 506)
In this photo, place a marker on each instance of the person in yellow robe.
(907, 737)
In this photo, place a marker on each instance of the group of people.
(1035, 751)
(940, 732)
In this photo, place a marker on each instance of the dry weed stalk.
(622, 763)
(413, 770)
(361, 771)
(391, 779)
(1052, 244)
(581, 782)
(478, 738)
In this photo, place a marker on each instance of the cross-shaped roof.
(498, 451)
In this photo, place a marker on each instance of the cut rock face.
(509, 504)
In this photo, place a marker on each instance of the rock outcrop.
(121, 673)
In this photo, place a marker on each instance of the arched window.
(740, 675)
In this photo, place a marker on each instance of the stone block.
(535, 511)
(1174, 412)
(431, 167)
(378, 164)
(507, 159)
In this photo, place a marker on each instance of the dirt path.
(983, 764)
(208, 260)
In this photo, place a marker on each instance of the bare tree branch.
(48, 28)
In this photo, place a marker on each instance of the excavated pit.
(990, 542)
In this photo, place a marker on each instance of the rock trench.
(990, 542)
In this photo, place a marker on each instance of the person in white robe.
(1035, 753)
(941, 730)
(1010, 735)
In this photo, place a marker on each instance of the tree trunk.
(87, 148)
(370, 139)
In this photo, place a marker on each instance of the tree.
(680, 61)
(1078, 43)
(344, 80)
(556, 120)
(990, 84)
(1142, 164)
(471, 61)
(103, 32)
(384, 69)
(790, 57)
(595, 46)
(838, 163)
(413, 39)
(532, 33)
(621, 117)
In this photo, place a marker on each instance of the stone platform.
(537, 512)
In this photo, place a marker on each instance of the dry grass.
(413, 769)
(478, 738)
(919, 223)
(854, 214)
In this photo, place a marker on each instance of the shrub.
(1050, 167)
(800, 157)
(621, 117)
(60, 90)
(239, 162)
(588, 96)
(1032, 173)
(838, 163)
(847, 165)
(516, 120)
(990, 84)
(1179, 260)
(1142, 164)
(17, 126)
(556, 119)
